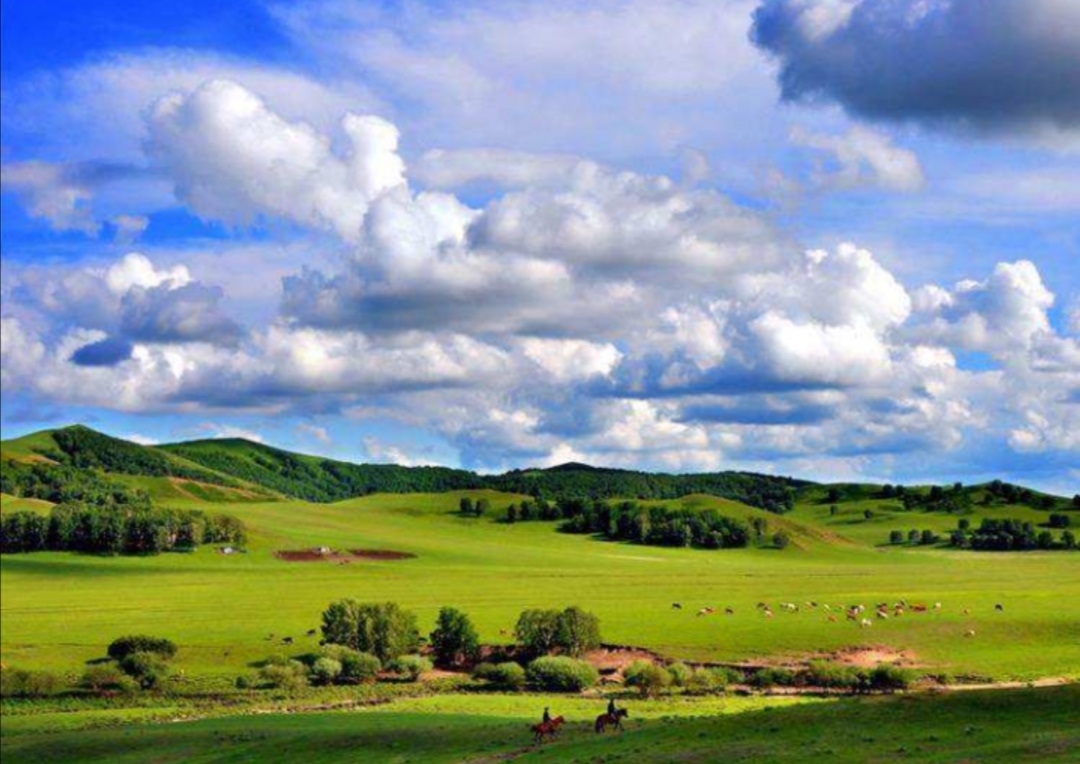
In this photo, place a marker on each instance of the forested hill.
(243, 463)
(314, 478)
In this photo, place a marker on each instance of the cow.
(865, 623)
(999, 608)
(676, 606)
(729, 611)
(969, 633)
(286, 640)
(918, 608)
(311, 632)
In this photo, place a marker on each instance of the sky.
(836, 239)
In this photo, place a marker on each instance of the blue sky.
(817, 237)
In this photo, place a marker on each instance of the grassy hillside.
(313, 478)
(1003, 727)
(220, 609)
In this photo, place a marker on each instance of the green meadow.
(60, 610)
(1011, 617)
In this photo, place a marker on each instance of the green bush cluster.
(656, 526)
(573, 631)
(561, 674)
(505, 676)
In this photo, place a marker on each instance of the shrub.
(647, 677)
(896, 537)
(781, 540)
(889, 678)
(288, 675)
(141, 643)
(148, 669)
(561, 674)
(703, 680)
(409, 666)
(832, 675)
(242, 683)
(680, 674)
(325, 670)
(106, 678)
(507, 676)
(774, 677)
(28, 684)
(454, 639)
(359, 667)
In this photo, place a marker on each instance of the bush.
(140, 643)
(781, 540)
(242, 683)
(28, 684)
(325, 670)
(561, 674)
(831, 675)
(774, 677)
(896, 537)
(507, 676)
(288, 675)
(647, 677)
(148, 669)
(409, 666)
(537, 630)
(454, 639)
(359, 667)
(680, 674)
(106, 678)
(888, 678)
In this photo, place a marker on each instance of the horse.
(546, 729)
(614, 720)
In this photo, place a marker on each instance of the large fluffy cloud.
(994, 65)
(233, 159)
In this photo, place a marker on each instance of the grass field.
(995, 726)
(60, 610)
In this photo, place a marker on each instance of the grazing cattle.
(865, 623)
(762, 606)
(503, 633)
(768, 613)
(826, 607)
(937, 606)
(706, 611)
(676, 606)
(832, 619)
(967, 611)
(286, 640)
(999, 607)
(729, 611)
(918, 608)
(898, 611)
(882, 614)
(969, 633)
(311, 632)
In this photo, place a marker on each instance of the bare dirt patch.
(340, 557)
(380, 554)
(869, 657)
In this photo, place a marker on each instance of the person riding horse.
(547, 716)
(611, 707)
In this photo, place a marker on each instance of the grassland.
(60, 610)
(988, 727)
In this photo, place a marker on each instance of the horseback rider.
(547, 715)
(611, 707)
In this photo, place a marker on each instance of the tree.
(896, 537)
(482, 507)
(963, 524)
(1045, 540)
(578, 631)
(760, 525)
(383, 629)
(833, 496)
(1068, 539)
(465, 506)
(511, 513)
(834, 510)
(454, 639)
(781, 540)
(537, 630)
(927, 537)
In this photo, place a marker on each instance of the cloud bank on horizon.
(503, 236)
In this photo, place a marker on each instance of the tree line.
(116, 530)
(654, 525)
(1003, 535)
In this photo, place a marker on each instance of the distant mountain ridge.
(240, 463)
(244, 465)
